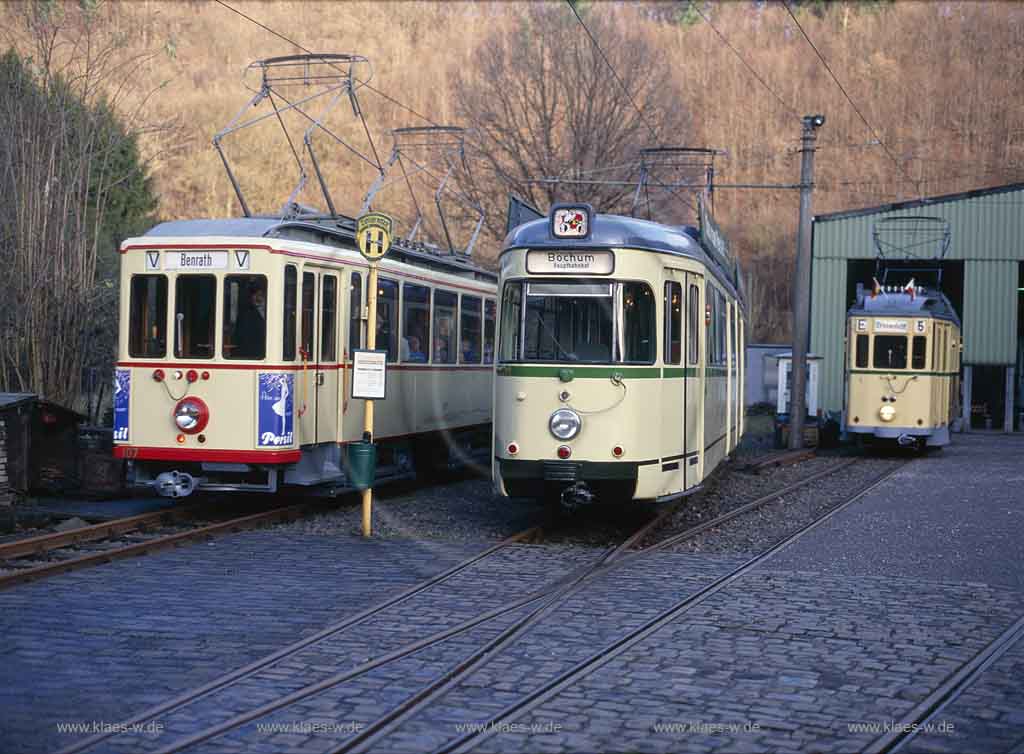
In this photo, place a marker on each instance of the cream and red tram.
(620, 358)
(234, 364)
(903, 366)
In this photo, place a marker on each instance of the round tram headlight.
(887, 412)
(565, 424)
(191, 415)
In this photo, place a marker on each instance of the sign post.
(373, 234)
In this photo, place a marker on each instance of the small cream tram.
(903, 366)
(234, 366)
(620, 358)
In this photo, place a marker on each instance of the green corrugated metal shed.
(987, 229)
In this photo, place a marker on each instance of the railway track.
(535, 605)
(20, 557)
(916, 720)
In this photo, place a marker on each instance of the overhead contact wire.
(849, 99)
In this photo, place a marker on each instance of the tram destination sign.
(559, 262)
(195, 260)
(891, 325)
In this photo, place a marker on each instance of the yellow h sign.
(373, 234)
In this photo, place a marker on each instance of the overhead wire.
(746, 65)
(615, 75)
(363, 84)
(874, 133)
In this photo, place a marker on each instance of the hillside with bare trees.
(932, 102)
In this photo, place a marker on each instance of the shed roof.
(922, 202)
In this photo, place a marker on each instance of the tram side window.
(917, 355)
(711, 324)
(721, 316)
(195, 316)
(245, 317)
(693, 327)
(890, 352)
(862, 352)
(511, 314)
(445, 304)
(470, 330)
(291, 280)
(329, 318)
(308, 308)
(147, 334)
(673, 323)
(355, 313)
(638, 323)
(387, 318)
(490, 315)
(415, 323)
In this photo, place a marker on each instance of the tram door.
(327, 359)
(673, 385)
(694, 360)
(317, 380)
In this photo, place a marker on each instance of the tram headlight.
(887, 412)
(191, 415)
(565, 424)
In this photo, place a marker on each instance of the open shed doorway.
(900, 273)
(1019, 398)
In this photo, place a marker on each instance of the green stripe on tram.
(634, 373)
(901, 373)
(606, 372)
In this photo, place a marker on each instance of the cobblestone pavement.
(798, 655)
(987, 716)
(105, 643)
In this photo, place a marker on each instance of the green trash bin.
(362, 464)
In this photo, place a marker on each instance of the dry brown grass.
(938, 80)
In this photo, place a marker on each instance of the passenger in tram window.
(468, 354)
(251, 325)
(441, 350)
(413, 350)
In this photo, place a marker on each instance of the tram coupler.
(174, 484)
(906, 441)
(577, 496)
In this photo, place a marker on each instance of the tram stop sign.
(373, 234)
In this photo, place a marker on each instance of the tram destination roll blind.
(558, 262)
(196, 260)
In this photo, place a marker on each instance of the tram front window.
(568, 322)
(590, 322)
(890, 352)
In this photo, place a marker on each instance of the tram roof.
(931, 303)
(233, 226)
(618, 231)
(338, 232)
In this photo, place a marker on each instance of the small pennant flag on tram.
(909, 288)
(876, 288)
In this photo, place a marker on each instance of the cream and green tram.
(620, 359)
(903, 367)
(234, 369)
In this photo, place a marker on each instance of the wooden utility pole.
(802, 285)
